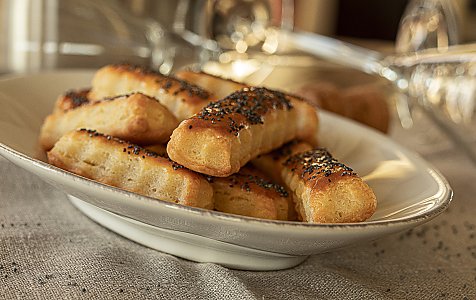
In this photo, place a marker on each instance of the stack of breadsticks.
(203, 141)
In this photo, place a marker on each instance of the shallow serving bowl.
(409, 191)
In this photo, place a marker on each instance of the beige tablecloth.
(49, 250)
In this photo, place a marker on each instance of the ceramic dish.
(409, 191)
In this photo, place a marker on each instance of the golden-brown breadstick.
(250, 195)
(180, 97)
(327, 191)
(136, 118)
(130, 167)
(220, 87)
(272, 164)
(228, 133)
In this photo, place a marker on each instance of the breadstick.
(246, 194)
(220, 87)
(130, 167)
(327, 191)
(136, 118)
(228, 133)
(180, 97)
(271, 164)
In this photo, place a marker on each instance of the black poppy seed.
(168, 84)
(251, 103)
(124, 150)
(128, 152)
(263, 183)
(190, 127)
(315, 162)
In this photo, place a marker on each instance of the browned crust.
(72, 153)
(183, 90)
(317, 168)
(219, 86)
(226, 134)
(137, 118)
(246, 194)
(272, 163)
(160, 149)
(240, 109)
(326, 190)
(71, 99)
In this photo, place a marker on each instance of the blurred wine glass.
(46, 34)
(237, 37)
(441, 89)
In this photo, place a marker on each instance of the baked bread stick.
(250, 195)
(226, 134)
(272, 164)
(130, 167)
(180, 97)
(325, 190)
(136, 118)
(220, 87)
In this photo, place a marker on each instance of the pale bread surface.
(180, 97)
(130, 167)
(136, 118)
(326, 191)
(248, 194)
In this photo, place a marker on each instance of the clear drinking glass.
(46, 34)
(439, 81)
(238, 38)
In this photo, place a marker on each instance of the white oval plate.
(409, 191)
